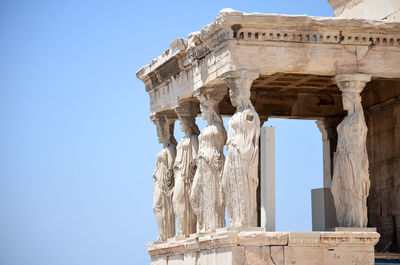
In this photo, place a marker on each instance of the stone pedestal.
(323, 209)
(233, 247)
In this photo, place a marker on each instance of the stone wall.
(383, 144)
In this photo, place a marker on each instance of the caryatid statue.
(185, 167)
(350, 182)
(240, 177)
(206, 197)
(164, 177)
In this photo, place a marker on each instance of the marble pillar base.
(229, 246)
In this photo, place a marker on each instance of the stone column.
(206, 196)
(267, 180)
(327, 127)
(323, 207)
(240, 177)
(185, 168)
(259, 197)
(325, 153)
(350, 182)
(164, 177)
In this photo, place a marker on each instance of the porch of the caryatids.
(350, 182)
(206, 195)
(164, 177)
(185, 168)
(240, 176)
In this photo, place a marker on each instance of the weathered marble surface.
(228, 247)
(294, 56)
(240, 176)
(164, 178)
(383, 145)
(185, 168)
(206, 197)
(350, 183)
(271, 44)
(388, 10)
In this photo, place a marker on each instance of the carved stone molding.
(240, 79)
(187, 108)
(232, 27)
(210, 93)
(310, 36)
(351, 82)
(204, 48)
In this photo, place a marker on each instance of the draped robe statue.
(184, 170)
(240, 177)
(206, 196)
(164, 178)
(350, 183)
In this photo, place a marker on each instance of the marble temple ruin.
(343, 72)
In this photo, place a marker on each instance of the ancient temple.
(343, 72)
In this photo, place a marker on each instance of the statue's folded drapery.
(240, 178)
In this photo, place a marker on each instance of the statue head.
(188, 125)
(187, 112)
(239, 83)
(239, 97)
(209, 106)
(350, 99)
(209, 98)
(165, 128)
(351, 86)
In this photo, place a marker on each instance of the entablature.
(271, 44)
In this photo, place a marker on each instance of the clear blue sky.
(77, 149)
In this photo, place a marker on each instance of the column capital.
(351, 82)
(186, 109)
(327, 126)
(170, 116)
(210, 93)
(156, 117)
(240, 79)
(165, 127)
(322, 128)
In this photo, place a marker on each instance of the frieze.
(231, 24)
(258, 28)
(169, 70)
(155, 81)
(172, 68)
(206, 47)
